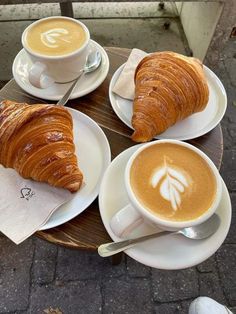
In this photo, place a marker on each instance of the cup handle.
(127, 219)
(38, 77)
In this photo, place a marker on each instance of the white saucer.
(87, 83)
(170, 252)
(94, 156)
(191, 127)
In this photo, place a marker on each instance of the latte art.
(171, 183)
(55, 36)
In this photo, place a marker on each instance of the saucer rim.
(211, 125)
(132, 252)
(40, 93)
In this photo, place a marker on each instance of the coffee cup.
(170, 185)
(57, 47)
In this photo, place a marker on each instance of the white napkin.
(26, 205)
(124, 86)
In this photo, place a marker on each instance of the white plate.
(172, 251)
(191, 127)
(94, 156)
(87, 83)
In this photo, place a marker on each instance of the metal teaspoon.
(202, 231)
(93, 61)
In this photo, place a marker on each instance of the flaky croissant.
(168, 87)
(37, 141)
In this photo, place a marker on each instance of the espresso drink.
(173, 182)
(55, 37)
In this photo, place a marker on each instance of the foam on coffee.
(173, 182)
(55, 37)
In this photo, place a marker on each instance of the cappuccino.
(55, 37)
(173, 182)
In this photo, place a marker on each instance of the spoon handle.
(112, 248)
(65, 98)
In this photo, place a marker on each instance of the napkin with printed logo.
(26, 205)
(124, 86)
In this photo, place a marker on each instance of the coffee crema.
(55, 37)
(173, 182)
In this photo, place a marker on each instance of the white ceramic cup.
(61, 69)
(134, 213)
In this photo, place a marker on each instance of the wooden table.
(86, 231)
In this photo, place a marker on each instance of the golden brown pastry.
(168, 87)
(37, 141)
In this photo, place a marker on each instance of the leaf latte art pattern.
(172, 183)
(52, 37)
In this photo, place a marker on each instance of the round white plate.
(86, 84)
(169, 252)
(191, 127)
(94, 156)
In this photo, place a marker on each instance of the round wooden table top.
(86, 231)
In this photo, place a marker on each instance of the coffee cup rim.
(165, 223)
(46, 57)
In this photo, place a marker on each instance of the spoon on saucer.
(93, 61)
(199, 232)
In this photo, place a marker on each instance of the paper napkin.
(124, 86)
(26, 205)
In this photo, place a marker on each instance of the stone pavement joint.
(207, 266)
(173, 308)
(210, 285)
(226, 257)
(71, 297)
(15, 265)
(127, 296)
(43, 271)
(175, 285)
(136, 269)
(77, 265)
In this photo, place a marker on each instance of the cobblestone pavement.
(36, 275)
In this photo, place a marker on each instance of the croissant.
(168, 88)
(37, 141)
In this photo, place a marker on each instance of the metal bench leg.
(117, 258)
(66, 9)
